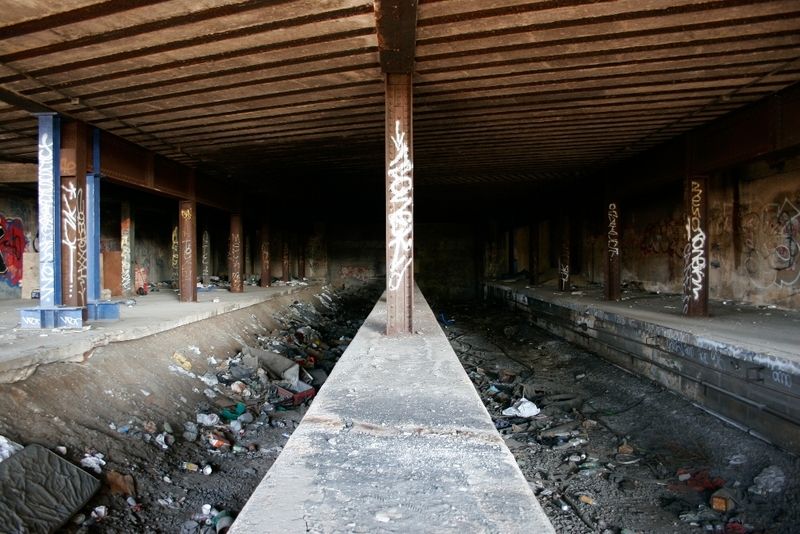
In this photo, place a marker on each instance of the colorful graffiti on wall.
(771, 239)
(12, 245)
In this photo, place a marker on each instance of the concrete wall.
(446, 261)
(18, 235)
(356, 253)
(152, 246)
(753, 236)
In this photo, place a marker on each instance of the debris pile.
(600, 448)
(191, 472)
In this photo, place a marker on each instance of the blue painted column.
(49, 211)
(93, 222)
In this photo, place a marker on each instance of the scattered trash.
(121, 484)
(723, 500)
(771, 480)
(8, 447)
(181, 360)
(522, 408)
(93, 462)
(100, 513)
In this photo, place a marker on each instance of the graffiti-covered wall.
(753, 236)
(763, 265)
(18, 234)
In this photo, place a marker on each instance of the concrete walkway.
(397, 440)
(22, 350)
(757, 329)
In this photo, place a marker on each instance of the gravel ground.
(615, 453)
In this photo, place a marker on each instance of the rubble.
(216, 446)
(612, 453)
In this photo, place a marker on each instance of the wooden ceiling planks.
(505, 90)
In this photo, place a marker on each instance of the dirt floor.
(609, 452)
(138, 404)
(614, 453)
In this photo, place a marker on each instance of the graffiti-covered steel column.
(127, 233)
(695, 254)
(235, 254)
(563, 257)
(533, 253)
(205, 258)
(399, 204)
(49, 211)
(187, 251)
(612, 260)
(266, 271)
(73, 214)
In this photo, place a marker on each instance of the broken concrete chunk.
(278, 366)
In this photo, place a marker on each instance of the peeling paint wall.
(18, 234)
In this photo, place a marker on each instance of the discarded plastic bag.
(770, 480)
(522, 408)
(8, 447)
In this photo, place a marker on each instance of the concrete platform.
(397, 440)
(742, 362)
(22, 350)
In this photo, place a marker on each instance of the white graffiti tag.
(46, 222)
(69, 238)
(401, 218)
(697, 240)
(613, 234)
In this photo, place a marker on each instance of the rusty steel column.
(127, 234)
(695, 255)
(285, 259)
(266, 270)
(205, 259)
(399, 204)
(301, 257)
(563, 258)
(235, 254)
(612, 260)
(533, 253)
(511, 251)
(187, 229)
(74, 261)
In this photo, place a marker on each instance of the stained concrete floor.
(22, 350)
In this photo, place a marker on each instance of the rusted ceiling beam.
(396, 23)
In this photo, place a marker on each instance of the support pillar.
(285, 264)
(187, 228)
(205, 259)
(50, 313)
(533, 253)
(93, 222)
(49, 211)
(512, 262)
(235, 254)
(563, 258)
(612, 260)
(97, 309)
(266, 270)
(301, 257)
(73, 214)
(399, 204)
(175, 259)
(127, 235)
(695, 270)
